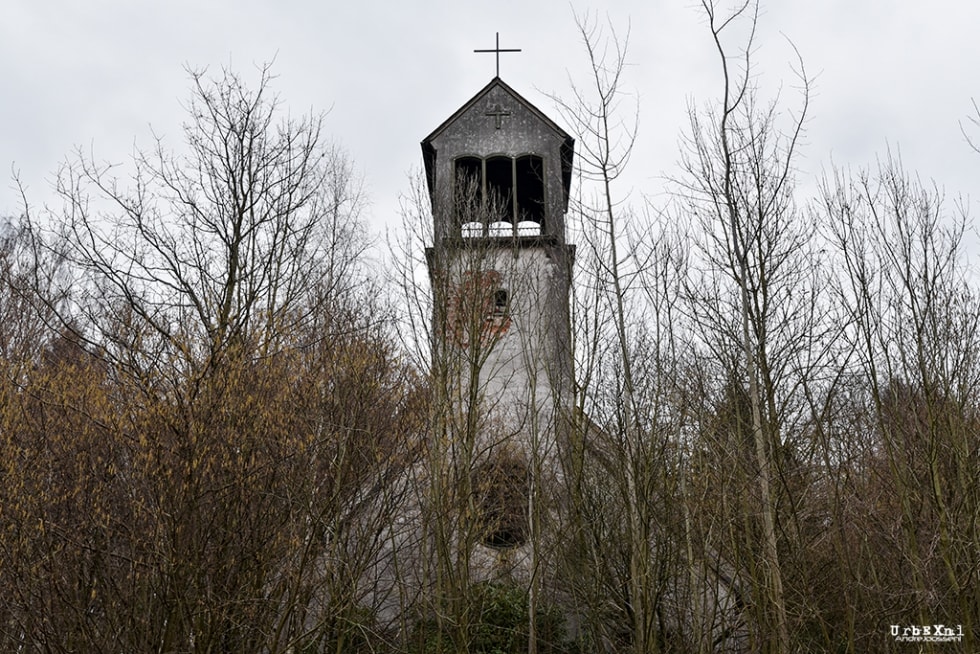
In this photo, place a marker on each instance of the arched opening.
(529, 182)
(502, 485)
(500, 187)
(468, 190)
(504, 194)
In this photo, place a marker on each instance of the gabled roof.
(495, 82)
(568, 143)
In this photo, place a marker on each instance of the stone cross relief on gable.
(497, 112)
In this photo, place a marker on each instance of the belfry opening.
(499, 195)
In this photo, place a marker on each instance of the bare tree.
(605, 143)
(754, 291)
(218, 245)
(912, 318)
(207, 441)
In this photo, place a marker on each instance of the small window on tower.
(501, 301)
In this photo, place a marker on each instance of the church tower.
(498, 172)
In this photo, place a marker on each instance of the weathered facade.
(490, 502)
(498, 173)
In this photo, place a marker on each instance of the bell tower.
(498, 172)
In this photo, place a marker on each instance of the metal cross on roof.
(497, 50)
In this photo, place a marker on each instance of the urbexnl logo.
(927, 633)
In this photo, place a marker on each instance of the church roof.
(568, 143)
(496, 82)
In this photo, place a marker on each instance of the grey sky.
(99, 73)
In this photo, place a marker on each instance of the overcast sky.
(100, 73)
